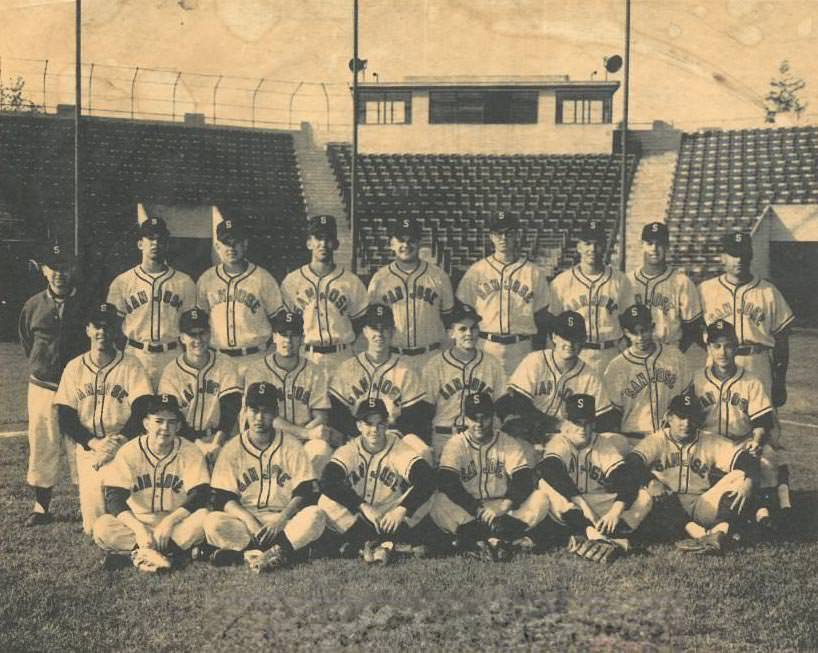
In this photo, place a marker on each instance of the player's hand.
(610, 520)
(390, 521)
(487, 515)
(503, 507)
(264, 536)
(162, 533)
(370, 513)
(144, 538)
(742, 494)
(754, 448)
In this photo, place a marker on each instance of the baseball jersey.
(240, 305)
(484, 469)
(591, 466)
(157, 483)
(641, 387)
(449, 381)
(417, 299)
(328, 304)
(359, 378)
(505, 295)
(199, 391)
(672, 298)
(102, 396)
(151, 304)
(540, 378)
(756, 309)
(599, 300)
(378, 478)
(684, 468)
(730, 406)
(263, 479)
(303, 388)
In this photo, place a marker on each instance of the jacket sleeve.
(449, 483)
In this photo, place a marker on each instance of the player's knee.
(101, 530)
(314, 517)
(213, 520)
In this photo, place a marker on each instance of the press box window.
(483, 107)
(583, 110)
(385, 108)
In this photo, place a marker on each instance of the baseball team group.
(240, 421)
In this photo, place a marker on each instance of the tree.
(12, 97)
(783, 94)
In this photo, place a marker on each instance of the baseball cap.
(287, 322)
(721, 329)
(580, 408)
(371, 406)
(379, 315)
(194, 320)
(230, 229)
(154, 228)
(462, 312)
(570, 325)
(656, 232)
(478, 404)
(592, 230)
(503, 221)
(406, 228)
(635, 315)
(737, 244)
(262, 395)
(57, 256)
(158, 403)
(686, 404)
(322, 225)
(103, 314)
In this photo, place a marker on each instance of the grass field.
(54, 595)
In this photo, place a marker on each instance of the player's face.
(154, 248)
(196, 342)
(654, 252)
(287, 344)
(160, 428)
(564, 349)
(260, 420)
(60, 279)
(590, 251)
(406, 249)
(505, 242)
(480, 428)
(322, 248)
(373, 432)
(737, 266)
(464, 335)
(722, 352)
(231, 251)
(641, 337)
(101, 335)
(579, 434)
(379, 335)
(681, 428)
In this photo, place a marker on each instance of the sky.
(694, 62)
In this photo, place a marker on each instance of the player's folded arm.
(448, 482)
(116, 500)
(334, 485)
(70, 425)
(417, 418)
(422, 480)
(520, 486)
(197, 497)
(623, 483)
(552, 470)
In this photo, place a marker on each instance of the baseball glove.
(595, 550)
(262, 561)
(150, 561)
(712, 543)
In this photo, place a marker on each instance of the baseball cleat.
(150, 561)
(500, 550)
(383, 554)
(482, 551)
(38, 519)
(226, 558)
(368, 551)
(525, 544)
(712, 543)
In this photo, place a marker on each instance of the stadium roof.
(558, 82)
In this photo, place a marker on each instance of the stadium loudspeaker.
(612, 63)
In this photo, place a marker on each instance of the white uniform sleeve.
(758, 401)
(358, 298)
(195, 472)
(270, 294)
(139, 383)
(515, 457)
(224, 473)
(782, 315)
(556, 299)
(201, 291)
(116, 295)
(626, 296)
(690, 306)
(724, 452)
(66, 394)
(650, 448)
(189, 297)
(338, 380)
(412, 390)
(612, 384)
(288, 291)
(524, 378)
(118, 473)
(373, 291)
(450, 456)
(299, 465)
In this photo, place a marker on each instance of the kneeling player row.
(262, 503)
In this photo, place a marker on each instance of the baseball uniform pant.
(227, 532)
(448, 516)
(328, 362)
(47, 445)
(340, 519)
(91, 482)
(600, 503)
(113, 536)
(599, 358)
(510, 355)
(704, 508)
(154, 363)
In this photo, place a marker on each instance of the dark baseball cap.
(592, 230)
(580, 408)
(379, 315)
(478, 404)
(154, 228)
(636, 315)
(104, 314)
(462, 312)
(737, 244)
(262, 395)
(406, 228)
(288, 322)
(371, 406)
(656, 232)
(194, 320)
(686, 404)
(322, 225)
(231, 229)
(570, 325)
(158, 403)
(503, 221)
(721, 329)
(57, 256)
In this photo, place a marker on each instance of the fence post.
(326, 97)
(255, 92)
(216, 90)
(133, 88)
(45, 72)
(292, 97)
(90, 89)
(173, 104)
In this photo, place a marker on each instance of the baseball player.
(643, 379)
(487, 498)
(377, 373)
(676, 462)
(241, 298)
(510, 292)
(264, 489)
(304, 405)
(457, 372)
(736, 406)
(589, 488)
(418, 292)
(376, 489)
(206, 383)
(671, 296)
(157, 491)
(52, 332)
(98, 406)
(331, 299)
(596, 291)
(150, 298)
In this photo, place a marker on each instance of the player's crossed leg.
(114, 536)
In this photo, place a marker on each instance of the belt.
(600, 345)
(444, 430)
(504, 340)
(414, 351)
(746, 350)
(153, 349)
(241, 351)
(324, 349)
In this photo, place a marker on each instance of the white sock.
(38, 508)
(784, 496)
(762, 513)
(694, 530)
